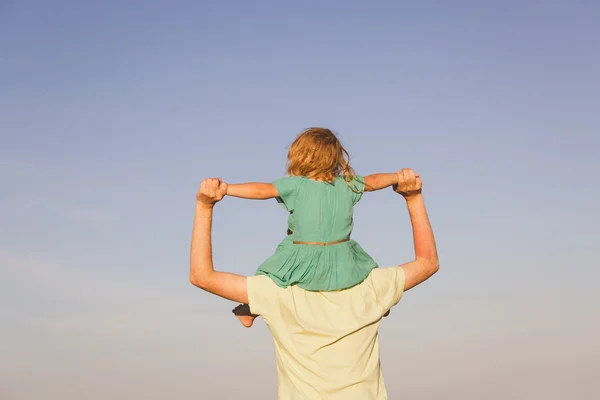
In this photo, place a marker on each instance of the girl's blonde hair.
(318, 154)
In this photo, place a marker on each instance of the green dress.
(319, 212)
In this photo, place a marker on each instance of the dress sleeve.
(357, 188)
(288, 191)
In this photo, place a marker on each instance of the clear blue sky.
(111, 113)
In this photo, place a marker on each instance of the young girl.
(319, 194)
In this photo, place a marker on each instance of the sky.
(111, 114)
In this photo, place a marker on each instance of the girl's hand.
(409, 183)
(211, 191)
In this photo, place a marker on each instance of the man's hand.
(409, 183)
(211, 191)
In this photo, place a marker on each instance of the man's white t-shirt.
(326, 343)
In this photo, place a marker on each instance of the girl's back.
(319, 254)
(319, 211)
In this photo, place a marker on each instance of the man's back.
(326, 343)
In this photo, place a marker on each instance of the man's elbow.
(194, 280)
(431, 265)
(435, 266)
(199, 281)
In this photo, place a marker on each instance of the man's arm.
(380, 181)
(202, 274)
(252, 190)
(426, 258)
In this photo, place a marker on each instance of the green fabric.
(319, 212)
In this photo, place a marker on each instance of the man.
(326, 343)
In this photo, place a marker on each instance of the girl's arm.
(380, 181)
(252, 190)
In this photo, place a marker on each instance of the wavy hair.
(317, 153)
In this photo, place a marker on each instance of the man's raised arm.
(426, 258)
(202, 274)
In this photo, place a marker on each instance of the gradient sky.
(111, 113)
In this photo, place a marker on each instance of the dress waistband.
(323, 243)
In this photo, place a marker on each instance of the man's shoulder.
(387, 275)
(260, 281)
(261, 291)
(387, 283)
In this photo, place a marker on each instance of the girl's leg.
(242, 312)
